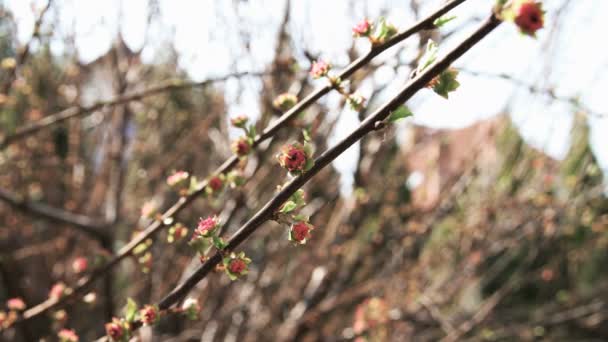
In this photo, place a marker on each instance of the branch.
(77, 111)
(367, 126)
(96, 229)
(25, 52)
(229, 164)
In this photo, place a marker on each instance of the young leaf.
(288, 206)
(130, 310)
(429, 57)
(446, 83)
(400, 113)
(384, 31)
(443, 20)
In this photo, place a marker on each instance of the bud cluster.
(376, 33)
(242, 146)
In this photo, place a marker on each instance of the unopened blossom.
(319, 69)
(57, 291)
(149, 314)
(239, 121)
(293, 157)
(80, 265)
(206, 227)
(529, 16)
(356, 101)
(191, 308)
(285, 101)
(178, 178)
(215, 183)
(300, 232)
(363, 28)
(60, 316)
(16, 304)
(148, 209)
(236, 265)
(67, 335)
(241, 147)
(177, 232)
(115, 330)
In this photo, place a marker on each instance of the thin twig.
(78, 111)
(94, 228)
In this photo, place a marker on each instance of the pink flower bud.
(80, 265)
(206, 227)
(241, 147)
(115, 330)
(57, 291)
(285, 101)
(319, 69)
(177, 232)
(215, 183)
(149, 315)
(300, 232)
(178, 178)
(16, 304)
(363, 28)
(529, 16)
(67, 335)
(239, 121)
(293, 157)
(236, 265)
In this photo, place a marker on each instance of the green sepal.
(218, 242)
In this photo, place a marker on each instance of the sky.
(568, 58)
